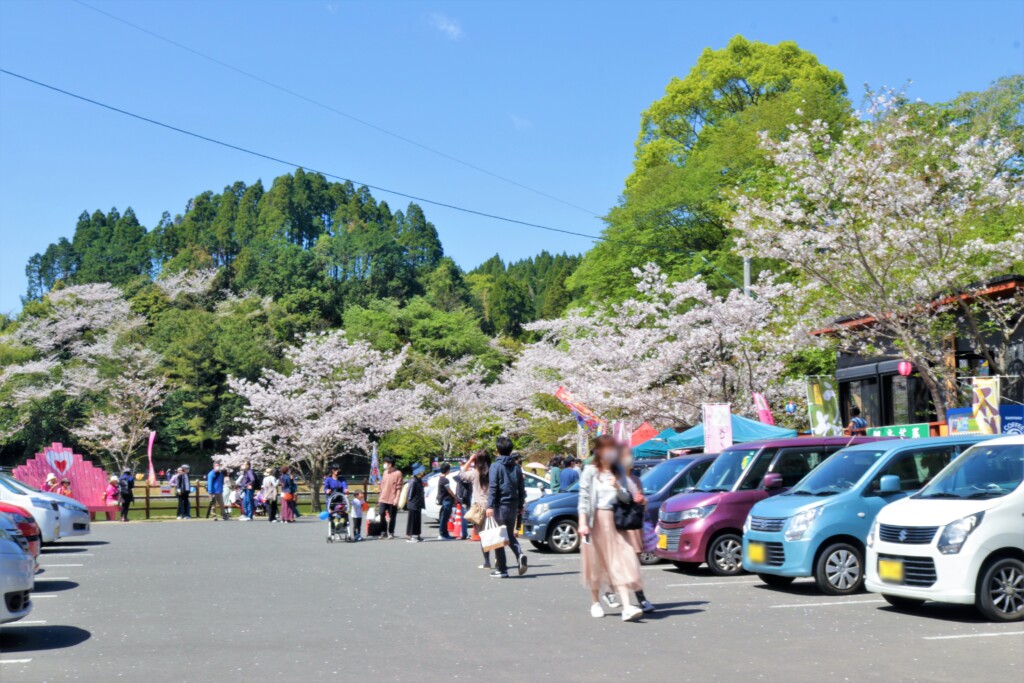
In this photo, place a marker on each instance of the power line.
(424, 200)
(310, 100)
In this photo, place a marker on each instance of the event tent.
(743, 430)
(656, 447)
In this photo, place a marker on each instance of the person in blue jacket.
(215, 489)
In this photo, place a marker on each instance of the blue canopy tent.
(743, 430)
(656, 447)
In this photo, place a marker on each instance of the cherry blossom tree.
(888, 227)
(456, 406)
(337, 396)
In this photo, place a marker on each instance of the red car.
(27, 526)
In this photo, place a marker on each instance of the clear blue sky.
(547, 93)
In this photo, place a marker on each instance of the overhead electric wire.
(310, 100)
(424, 200)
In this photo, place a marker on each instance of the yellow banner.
(985, 404)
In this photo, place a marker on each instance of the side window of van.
(796, 463)
(691, 477)
(915, 468)
(752, 480)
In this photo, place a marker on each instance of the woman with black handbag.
(634, 528)
(607, 503)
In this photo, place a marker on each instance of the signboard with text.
(919, 430)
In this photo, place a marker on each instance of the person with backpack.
(446, 499)
(125, 484)
(215, 489)
(506, 496)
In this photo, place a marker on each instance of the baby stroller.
(337, 518)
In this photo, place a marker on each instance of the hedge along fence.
(160, 501)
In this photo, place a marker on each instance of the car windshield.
(726, 470)
(657, 477)
(15, 486)
(983, 471)
(839, 473)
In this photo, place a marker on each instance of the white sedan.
(17, 575)
(535, 488)
(45, 511)
(74, 516)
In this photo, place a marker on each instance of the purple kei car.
(706, 525)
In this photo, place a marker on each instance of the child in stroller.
(337, 519)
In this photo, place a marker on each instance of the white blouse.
(604, 492)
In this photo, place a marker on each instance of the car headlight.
(72, 506)
(871, 534)
(746, 524)
(690, 513)
(800, 523)
(539, 509)
(955, 534)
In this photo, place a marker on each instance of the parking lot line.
(43, 595)
(15, 661)
(52, 578)
(975, 635)
(829, 604)
(31, 623)
(51, 566)
(708, 583)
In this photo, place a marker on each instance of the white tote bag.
(493, 536)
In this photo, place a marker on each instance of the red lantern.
(905, 368)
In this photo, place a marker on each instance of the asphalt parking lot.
(191, 601)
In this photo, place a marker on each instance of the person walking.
(215, 489)
(506, 495)
(126, 494)
(288, 490)
(475, 473)
(182, 487)
(269, 491)
(607, 558)
(247, 484)
(390, 490)
(555, 474)
(415, 502)
(569, 475)
(624, 469)
(446, 499)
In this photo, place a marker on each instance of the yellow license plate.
(662, 542)
(755, 553)
(891, 570)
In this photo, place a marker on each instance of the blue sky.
(546, 93)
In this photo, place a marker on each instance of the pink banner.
(764, 413)
(152, 474)
(717, 427)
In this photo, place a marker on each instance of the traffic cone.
(456, 525)
(451, 525)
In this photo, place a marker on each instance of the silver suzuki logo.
(903, 535)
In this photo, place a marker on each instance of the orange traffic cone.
(456, 525)
(451, 524)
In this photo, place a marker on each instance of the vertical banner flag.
(764, 413)
(583, 414)
(374, 466)
(622, 431)
(823, 407)
(717, 427)
(151, 479)
(985, 404)
(582, 443)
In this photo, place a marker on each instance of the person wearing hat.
(64, 487)
(51, 484)
(415, 502)
(125, 484)
(182, 487)
(113, 491)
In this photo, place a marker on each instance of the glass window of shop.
(862, 393)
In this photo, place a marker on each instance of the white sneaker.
(596, 610)
(631, 613)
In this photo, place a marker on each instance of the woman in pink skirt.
(608, 560)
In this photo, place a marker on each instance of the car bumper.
(928, 574)
(781, 557)
(16, 581)
(682, 543)
(535, 530)
(73, 523)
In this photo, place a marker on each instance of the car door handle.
(861, 514)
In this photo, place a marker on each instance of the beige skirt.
(609, 561)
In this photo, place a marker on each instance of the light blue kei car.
(819, 527)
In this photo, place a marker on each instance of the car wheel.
(1000, 595)
(903, 603)
(563, 537)
(840, 569)
(538, 545)
(647, 559)
(776, 581)
(725, 555)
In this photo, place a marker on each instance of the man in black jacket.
(506, 496)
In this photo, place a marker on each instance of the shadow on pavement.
(64, 543)
(51, 550)
(674, 609)
(45, 586)
(808, 588)
(959, 614)
(14, 638)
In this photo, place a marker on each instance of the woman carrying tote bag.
(475, 473)
(608, 560)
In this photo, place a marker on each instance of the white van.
(960, 539)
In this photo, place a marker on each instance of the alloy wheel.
(564, 537)
(729, 555)
(1006, 590)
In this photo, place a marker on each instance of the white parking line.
(15, 661)
(975, 635)
(697, 584)
(43, 595)
(51, 578)
(51, 566)
(829, 604)
(30, 623)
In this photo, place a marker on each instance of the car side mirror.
(890, 483)
(772, 480)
